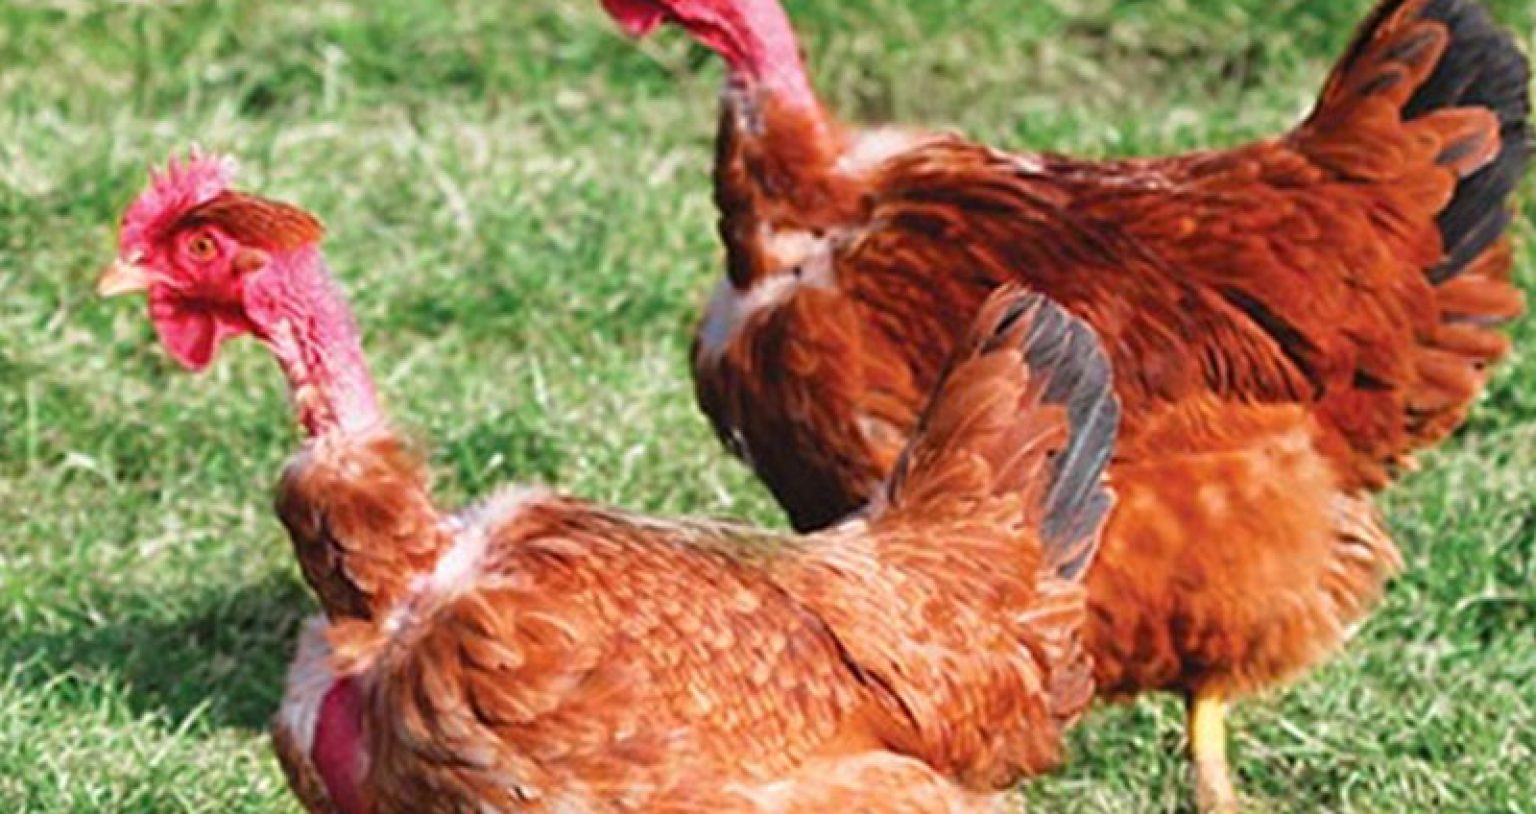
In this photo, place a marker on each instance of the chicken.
(1288, 321)
(541, 653)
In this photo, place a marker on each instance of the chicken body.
(1287, 322)
(562, 657)
(557, 656)
(565, 657)
(1233, 485)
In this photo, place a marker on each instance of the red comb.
(173, 192)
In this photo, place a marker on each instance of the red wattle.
(192, 332)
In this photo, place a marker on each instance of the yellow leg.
(1208, 753)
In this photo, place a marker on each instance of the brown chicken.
(1288, 321)
(540, 653)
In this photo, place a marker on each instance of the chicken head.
(207, 257)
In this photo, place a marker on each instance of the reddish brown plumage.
(1233, 564)
(1288, 321)
(360, 515)
(258, 222)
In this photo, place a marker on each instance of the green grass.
(518, 205)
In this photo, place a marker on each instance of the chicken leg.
(1207, 728)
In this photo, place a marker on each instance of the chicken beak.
(123, 277)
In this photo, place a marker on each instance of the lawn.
(518, 205)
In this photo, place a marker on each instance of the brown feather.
(259, 222)
(361, 518)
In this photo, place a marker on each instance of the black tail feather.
(1482, 67)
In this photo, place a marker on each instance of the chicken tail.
(1450, 73)
(1024, 417)
(1430, 104)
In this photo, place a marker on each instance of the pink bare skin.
(339, 754)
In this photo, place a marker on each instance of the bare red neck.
(758, 43)
(310, 330)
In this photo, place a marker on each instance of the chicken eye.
(201, 248)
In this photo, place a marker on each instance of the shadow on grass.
(218, 656)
